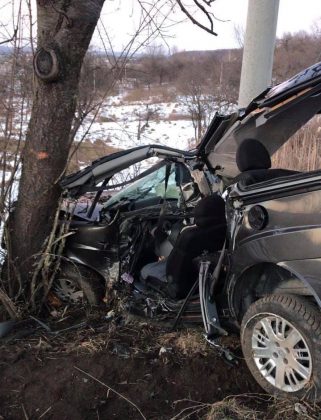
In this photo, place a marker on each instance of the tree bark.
(65, 27)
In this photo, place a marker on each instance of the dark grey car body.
(98, 244)
(283, 253)
(240, 255)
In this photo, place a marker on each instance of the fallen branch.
(44, 261)
(8, 305)
(111, 389)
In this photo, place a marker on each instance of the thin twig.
(188, 411)
(44, 256)
(111, 389)
(195, 21)
(45, 412)
(24, 412)
(12, 38)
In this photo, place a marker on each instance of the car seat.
(254, 163)
(178, 272)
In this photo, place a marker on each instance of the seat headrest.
(251, 154)
(210, 210)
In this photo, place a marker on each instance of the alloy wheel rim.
(281, 354)
(68, 291)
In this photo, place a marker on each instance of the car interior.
(167, 235)
(177, 272)
(254, 164)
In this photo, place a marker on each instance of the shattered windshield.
(151, 186)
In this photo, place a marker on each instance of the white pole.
(262, 17)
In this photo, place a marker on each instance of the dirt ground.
(128, 370)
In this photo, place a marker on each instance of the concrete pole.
(259, 42)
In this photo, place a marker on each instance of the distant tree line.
(217, 70)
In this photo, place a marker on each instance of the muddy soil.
(155, 373)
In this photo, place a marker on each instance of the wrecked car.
(216, 236)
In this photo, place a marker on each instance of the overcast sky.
(121, 17)
(294, 15)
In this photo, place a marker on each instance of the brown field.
(155, 94)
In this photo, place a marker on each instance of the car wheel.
(281, 343)
(77, 284)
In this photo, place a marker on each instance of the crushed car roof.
(272, 118)
(105, 167)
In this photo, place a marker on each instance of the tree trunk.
(65, 27)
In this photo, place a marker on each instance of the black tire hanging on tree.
(281, 343)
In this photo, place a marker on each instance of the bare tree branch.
(12, 38)
(203, 9)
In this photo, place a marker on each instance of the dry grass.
(250, 407)
(303, 151)
(156, 94)
(230, 408)
(88, 346)
(88, 151)
(188, 343)
(174, 116)
(102, 119)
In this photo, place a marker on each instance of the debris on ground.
(120, 369)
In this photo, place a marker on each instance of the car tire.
(77, 284)
(281, 343)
